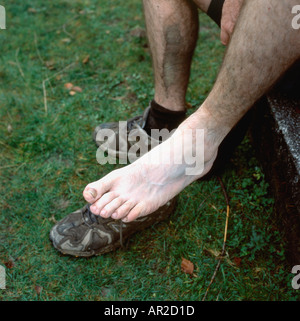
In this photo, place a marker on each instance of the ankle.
(214, 131)
(216, 127)
(171, 104)
(160, 117)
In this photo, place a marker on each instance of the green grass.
(47, 158)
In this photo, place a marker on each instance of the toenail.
(103, 212)
(92, 192)
(114, 215)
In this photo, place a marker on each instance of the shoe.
(122, 136)
(84, 234)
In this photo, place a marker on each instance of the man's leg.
(172, 29)
(262, 47)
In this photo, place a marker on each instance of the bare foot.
(150, 182)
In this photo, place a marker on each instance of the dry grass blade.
(225, 237)
(18, 64)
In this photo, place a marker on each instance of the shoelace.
(94, 219)
(91, 217)
(131, 123)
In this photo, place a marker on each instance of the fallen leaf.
(9, 128)
(69, 85)
(31, 10)
(218, 255)
(9, 264)
(78, 171)
(258, 270)
(66, 40)
(77, 89)
(38, 289)
(52, 219)
(86, 59)
(214, 252)
(237, 261)
(187, 266)
(50, 64)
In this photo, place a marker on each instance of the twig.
(225, 237)
(66, 32)
(8, 166)
(18, 64)
(64, 26)
(13, 165)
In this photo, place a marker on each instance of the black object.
(160, 117)
(275, 133)
(215, 11)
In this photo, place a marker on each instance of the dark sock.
(215, 11)
(160, 117)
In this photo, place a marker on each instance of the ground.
(47, 157)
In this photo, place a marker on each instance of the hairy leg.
(172, 29)
(262, 47)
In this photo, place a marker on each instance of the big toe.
(95, 190)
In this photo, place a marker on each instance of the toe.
(98, 206)
(123, 210)
(134, 213)
(95, 190)
(111, 207)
